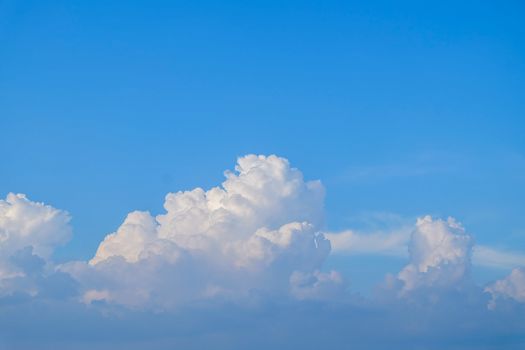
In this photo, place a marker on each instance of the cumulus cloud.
(29, 232)
(394, 241)
(511, 287)
(241, 264)
(256, 233)
(25, 223)
(440, 253)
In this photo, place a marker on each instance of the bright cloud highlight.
(259, 232)
(256, 239)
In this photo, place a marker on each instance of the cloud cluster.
(29, 232)
(252, 244)
(25, 223)
(440, 253)
(256, 233)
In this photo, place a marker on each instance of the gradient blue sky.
(400, 108)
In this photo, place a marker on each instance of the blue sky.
(401, 110)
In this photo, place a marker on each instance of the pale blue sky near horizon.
(405, 109)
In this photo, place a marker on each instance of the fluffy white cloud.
(440, 254)
(511, 287)
(252, 234)
(134, 238)
(256, 237)
(394, 242)
(25, 223)
(29, 232)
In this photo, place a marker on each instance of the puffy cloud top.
(257, 233)
(29, 231)
(26, 223)
(252, 233)
(264, 193)
(255, 237)
(440, 254)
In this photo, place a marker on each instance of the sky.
(352, 169)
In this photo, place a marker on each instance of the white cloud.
(29, 232)
(254, 238)
(511, 287)
(439, 255)
(394, 242)
(249, 235)
(133, 238)
(26, 223)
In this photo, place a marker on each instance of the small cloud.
(511, 287)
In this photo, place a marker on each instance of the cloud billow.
(254, 234)
(29, 233)
(253, 249)
(440, 253)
